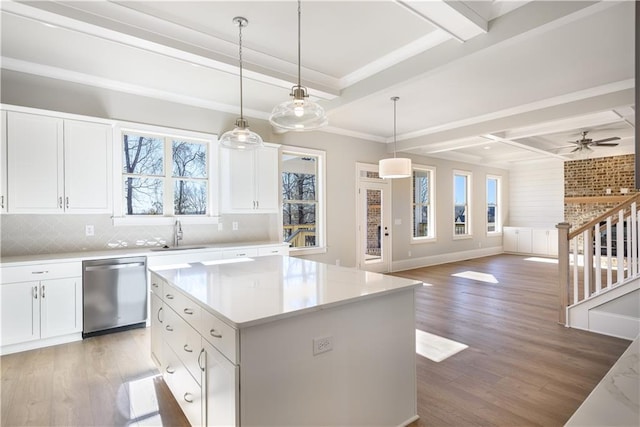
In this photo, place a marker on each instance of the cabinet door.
(221, 392)
(20, 309)
(3, 162)
(540, 242)
(267, 188)
(553, 242)
(34, 163)
(525, 240)
(87, 167)
(60, 306)
(509, 239)
(156, 329)
(238, 180)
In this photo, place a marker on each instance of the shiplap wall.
(536, 194)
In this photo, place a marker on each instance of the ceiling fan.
(586, 143)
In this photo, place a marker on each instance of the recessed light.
(46, 24)
(486, 147)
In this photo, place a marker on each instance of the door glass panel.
(373, 251)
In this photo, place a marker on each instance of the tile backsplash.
(45, 234)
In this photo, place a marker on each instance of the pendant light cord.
(240, 25)
(395, 100)
(299, 60)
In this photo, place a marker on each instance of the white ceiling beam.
(491, 137)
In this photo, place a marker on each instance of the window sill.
(119, 221)
(415, 241)
(494, 233)
(307, 251)
(463, 237)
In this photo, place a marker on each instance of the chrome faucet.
(177, 233)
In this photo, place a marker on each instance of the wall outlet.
(89, 230)
(234, 225)
(624, 190)
(409, 253)
(607, 191)
(220, 227)
(322, 345)
(337, 262)
(398, 221)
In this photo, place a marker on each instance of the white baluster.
(587, 255)
(575, 270)
(598, 261)
(620, 247)
(609, 254)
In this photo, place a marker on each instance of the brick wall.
(592, 177)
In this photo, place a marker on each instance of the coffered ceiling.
(492, 82)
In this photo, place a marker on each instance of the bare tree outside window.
(299, 194)
(146, 182)
(144, 169)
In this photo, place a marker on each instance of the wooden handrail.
(604, 216)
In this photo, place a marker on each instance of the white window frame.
(321, 213)
(119, 217)
(431, 237)
(498, 210)
(468, 206)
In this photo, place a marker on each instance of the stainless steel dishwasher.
(114, 295)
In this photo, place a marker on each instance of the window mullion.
(168, 178)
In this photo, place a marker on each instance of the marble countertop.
(124, 252)
(249, 291)
(616, 399)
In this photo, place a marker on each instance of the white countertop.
(250, 291)
(616, 399)
(126, 252)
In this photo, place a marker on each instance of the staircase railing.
(599, 255)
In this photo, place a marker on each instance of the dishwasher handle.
(114, 266)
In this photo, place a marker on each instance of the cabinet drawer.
(37, 272)
(274, 250)
(184, 388)
(157, 285)
(186, 308)
(240, 253)
(220, 335)
(185, 342)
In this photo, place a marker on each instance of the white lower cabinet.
(204, 382)
(221, 382)
(528, 240)
(37, 310)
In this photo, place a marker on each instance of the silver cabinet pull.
(188, 397)
(158, 316)
(188, 311)
(60, 202)
(169, 328)
(35, 292)
(42, 291)
(67, 201)
(155, 285)
(187, 349)
(215, 334)
(2, 202)
(40, 272)
(170, 370)
(243, 254)
(199, 364)
(169, 296)
(257, 204)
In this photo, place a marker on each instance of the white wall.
(536, 194)
(342, 155)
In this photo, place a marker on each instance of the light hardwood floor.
(521, 367)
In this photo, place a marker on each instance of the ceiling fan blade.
(605, 144)
(613, 138)
(575, 149)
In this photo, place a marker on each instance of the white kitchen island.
(277, 341)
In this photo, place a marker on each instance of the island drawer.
(273, 250)
(184, 341)
(222, 336)
(187, 309)
(156, 284)
(185, 389)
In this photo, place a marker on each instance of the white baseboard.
(45, 342)
(408, 264)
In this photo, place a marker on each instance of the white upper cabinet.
(57, 165)
(34, 166)
(3, 162)
(87, 166)
(249, 180)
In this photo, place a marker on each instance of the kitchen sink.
(176, 248)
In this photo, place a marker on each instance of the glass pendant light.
(241, 138)
(395, 167)
(299, 113)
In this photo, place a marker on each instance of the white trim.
(408, 264)
(39, 343)
(321, 185)
(432, 206)
(50, 113)
(119, 221)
